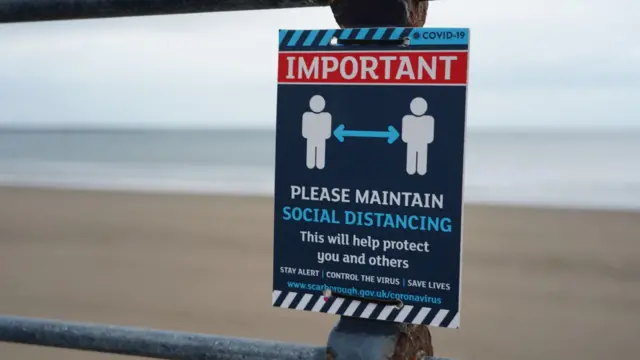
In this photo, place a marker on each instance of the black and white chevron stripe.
(315, 38)
(407, 314)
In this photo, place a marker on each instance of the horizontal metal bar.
(147, 342)
(13, 11)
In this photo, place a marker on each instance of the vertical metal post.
(358, 339)
(355, 338)
(361, 339)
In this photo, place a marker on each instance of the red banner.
(374, 67)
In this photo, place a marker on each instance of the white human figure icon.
(316, 128)
(417, 133)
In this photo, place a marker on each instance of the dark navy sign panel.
(369, 174)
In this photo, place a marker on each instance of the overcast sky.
(560, 63)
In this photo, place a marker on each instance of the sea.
(537, 168)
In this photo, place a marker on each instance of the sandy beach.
(537, 283)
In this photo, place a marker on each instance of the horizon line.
(492, 129)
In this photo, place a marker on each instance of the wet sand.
(537, 283)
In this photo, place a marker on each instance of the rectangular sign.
(369, 173)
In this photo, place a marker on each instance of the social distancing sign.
(369, 173)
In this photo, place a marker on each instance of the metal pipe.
(147, 342)
(14, 11)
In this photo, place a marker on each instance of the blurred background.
(136, 175)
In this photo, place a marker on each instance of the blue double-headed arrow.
(391, 134)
